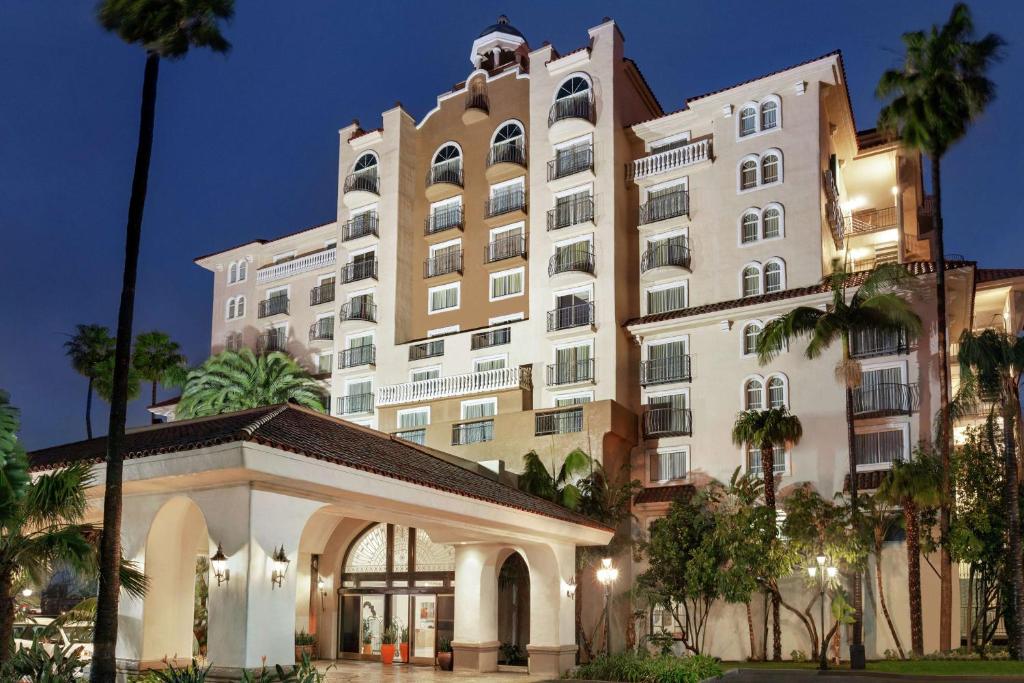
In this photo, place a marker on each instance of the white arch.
(756, 266)
(744, 403)
(743, 335)
(770, 99)
(578, 74)
(739, 172)
(756, 109)
(522, 129)
(760, 166)
(756, 213)
(447, 143)
(243, 270)
(782, 220)
(781, 377)
(370, 153)
(775, 261)
(232, 273)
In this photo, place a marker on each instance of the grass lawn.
(924, 667)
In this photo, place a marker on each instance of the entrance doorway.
(394, 577)
(513, 611)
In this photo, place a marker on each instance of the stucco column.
(136, 518)
(552, 647)
(475, 645)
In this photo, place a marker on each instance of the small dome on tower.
(502, 27)
(499, 44)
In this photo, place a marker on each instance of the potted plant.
(367, 637)
(305, 645)
(387, 645)
(444, 654)
(403, 643)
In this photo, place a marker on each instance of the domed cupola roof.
(502, 27)
(498, 44)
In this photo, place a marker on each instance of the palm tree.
(87, 347)
(158, 360)
(768, 430)
(992, 369)
(877, 520)
(165, 30)
(236, 380)
(561, 486)
(914, 486)
(103, 384)
(14, 469)
(873, 307)
(939, 91)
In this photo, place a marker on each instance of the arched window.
(770, 168)
(574, 87)
(774, 277)
(749, 227)
(369, 554)
(240, 307)
(748, 174)
(367, 162)
(446, 154)
(769, 115)
(242, 268)
(751, 333)
(232, 274)
(508, 145)
(748, 121)
(447, 165)
(776, 392)
(751, 280)
(771, 222)
(230, 312)
(753, 394)
(508, 132)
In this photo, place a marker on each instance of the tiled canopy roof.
(914, 268)
(663, 494)
(866, 481)
(298, 430)
(993, 274)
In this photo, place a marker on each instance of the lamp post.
(606, 575)
(824, 574)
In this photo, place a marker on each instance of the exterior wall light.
(606, 575)
(281, 562)
(219, 562)
(824, 574)
(570, 588)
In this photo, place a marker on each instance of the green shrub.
(39, 666)
(798, 656)
(640, 668)
(303, 638)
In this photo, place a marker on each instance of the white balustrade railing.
(455, 385)
(318, 259)
(662, 162)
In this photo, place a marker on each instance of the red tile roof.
(314, 435)
(663, 494)
(914, 267)
(866, 481)
(993, 274)
(834, 53)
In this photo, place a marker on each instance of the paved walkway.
(840, 676)
(370, 672)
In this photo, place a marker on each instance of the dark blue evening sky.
(246, 145)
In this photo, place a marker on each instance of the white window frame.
(685, 448)
(901, 364)
(763, 392)
(756, 158)
(758, 231)
(424, 368)
(358, 335)
(888, 426)
(492, 400)
(648, 343)
(569, 344)
(785, 389)
(683, 182)
(743, 337)
(330, 363)
(501, 230)
(667, 140)
(357, 380)
(585, 188)
(372, 291)
(555, 398)
(574, 142)
(443, 204)
(782, 275)
(760, 279)
(503, 319)
(409, 411)
(271, 291)
(502, 273)
(684, 391)
(368, 152)
(581, 74)
(685, 283)
(504, 185)
(493, 357)
(588, 288)
(787, 455)
(494, 133)
(447, 143)
(457, 286)
(362, 250)
(320, 280)
(782, 221)
(434, 248)
(758, 129)
(363, 210)
(442, 331)
(760, 180)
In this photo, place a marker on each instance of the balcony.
(572, 372)
(356, 404)
(322, 329)
(358, 310)
(871, 220)
(661, 422)
(444, 179)
(427, 349)
(321, 294)
(571, 260)
(665, 370)
(275, 305)
(663, 207)
(571, 212)
(501, 379)
(275, 340)
(502, 248)
(873, 342)
(665, 254)
(578, 107)
(301, 264)
(505, 160)
(503, 203)
(472, 432)
(565, 421)
(568, 317)
(445, 219)
(361, 187)
(356, 356)
(886, 399)
(359, 226)
(571, 161)
(359, 270)
(443, 264)
(484, 340)
(477, 107)
(669, 160)
(833, 210)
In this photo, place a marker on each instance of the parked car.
(65, 635)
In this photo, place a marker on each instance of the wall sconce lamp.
(219, 562)
(281, 562)
(570, 588)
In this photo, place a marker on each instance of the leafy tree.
(914, 485)
(768, 430)
(237, 380)
(87, 348)
(560, 486)
(165, 30)
(940, 89)
(874, 306)
(158, 359)
(992, 368)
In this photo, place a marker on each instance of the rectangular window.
(666, 362)
(754, 461)
(491, 363)
(414, 417)
(480, 408)
(507, 283)
(666, 299)
(573, 399)
(444, 298)
(573, 363)
(877, 450)
(668, 465)
(423, 374)
(323, 363)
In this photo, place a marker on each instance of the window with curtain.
(753, 395)
(776, 393)
(748, 121)
(668, 465)
(231, 309)
(754, 461)
(323, 365)
(751, 334)
(477, 410)
(509, 283)
(769, 115)
(240, 307)
(770, 169)
(424, 374)
(413, 418)
(748, 174)
(232, 273)
(773, 280)
(749, 227)
(878, 448)
(577, 400)
(572, 364)
(667, 299)
(444, 298)
(772, 223)
(672, 401)
(751, 281)
(242, 268)
(488, 364)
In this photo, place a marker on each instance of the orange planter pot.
(387, 654)
(403, 648)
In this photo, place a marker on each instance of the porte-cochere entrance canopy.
(333, 499)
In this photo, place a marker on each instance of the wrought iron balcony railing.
(665, 206)
(355, 404)
(483, 340)
(565, 421)
(359, 310)
(427, 349)
(445, 219)
(566, 317)
(572, 372)
(359, 226)
(359, 270)
(578, 106)
(877, 400)
(472, 432)
(659, 422)
(505, 202)
(322, 329)
(572, 260)
(321, 294)
(449, 172)
(275, 305)
(512, 152)
(362, 181)
(874, 342)
(477, 100)
(571, 212)
(442, 264)
(271, 341)
(571, 161)
(354, 356)
(503, 248)
(665, 370)
(665, 254)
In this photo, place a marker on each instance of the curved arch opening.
(513, 610)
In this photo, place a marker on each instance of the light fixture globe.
(219, 564)
(281, 562)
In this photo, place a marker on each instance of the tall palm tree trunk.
(910, 517)
(945, 560)
(88, 410)
(105, 635)
(152, 402)
(6, 617)
(881, 598)
(856, 636)
(1013, 526)
(768, 469)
